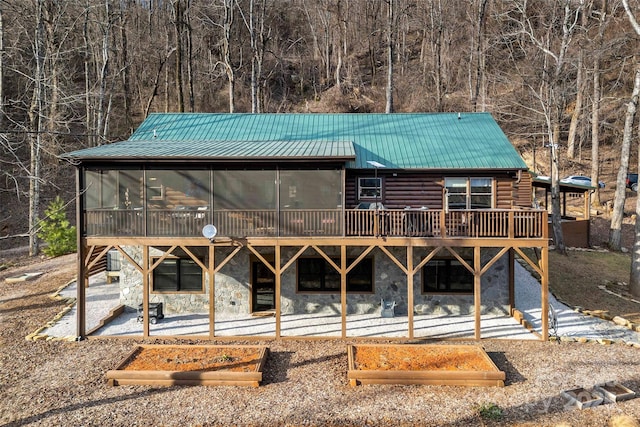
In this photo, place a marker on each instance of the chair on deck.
(387, 308)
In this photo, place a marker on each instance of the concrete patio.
(102, 298)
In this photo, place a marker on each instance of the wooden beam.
(212, 291)
(145, 291)
(194, 258)
(162, 258)
(326, 258)
(98, 258)
(128, 257)
(545, 293)
(459, 258)
(512, 281)
(426, 259)
(410, 273)
(294, 258)
(343, 289)
(278, 273)
(477, 291)
(228, 258)
(360, 258)
(262, 259)
(394, 259)
(493, 260)
(533, 265)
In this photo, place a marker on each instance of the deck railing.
(491, 223)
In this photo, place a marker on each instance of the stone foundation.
(233, 288)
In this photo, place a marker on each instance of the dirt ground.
(305, 382)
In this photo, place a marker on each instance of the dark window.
(446, 276)
(369, 188)
(317, 275)
(469, 193)
(177, 275)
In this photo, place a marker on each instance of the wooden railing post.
(511, 225)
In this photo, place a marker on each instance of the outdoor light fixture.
(209, 231)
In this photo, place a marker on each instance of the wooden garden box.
(209, 365)
(415, 366)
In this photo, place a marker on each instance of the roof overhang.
(217, 151)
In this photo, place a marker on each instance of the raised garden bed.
(582, 397)
(191, 365)
(462, 365)
(614, 392)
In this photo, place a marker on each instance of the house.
(260, 219)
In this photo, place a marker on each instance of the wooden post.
(145, 290)
(512, 267)
(81, 270)
(545, 293)
(477, 267)
(278, 267)
(544, 259)
(511, 224)
(410, 274)
(343, 289)
(212, 291)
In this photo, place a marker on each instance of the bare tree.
(634, 281)
(550, 91)
(391, 6)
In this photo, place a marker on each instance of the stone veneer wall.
(233, 292)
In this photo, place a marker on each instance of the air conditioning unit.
(113, 260)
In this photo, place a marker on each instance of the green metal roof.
(398, 141)
(219, 150)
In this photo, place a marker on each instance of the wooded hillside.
(78, 73)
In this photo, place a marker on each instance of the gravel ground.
(305, 383)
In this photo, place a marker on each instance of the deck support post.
(145, 290)
(477, 272)
(212, 291)
(410, 274)
(545, 293)
(81, 281)
(343, 289)
(512, 280)
(278, 266)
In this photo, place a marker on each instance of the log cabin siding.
(402, 190)
(504, 193)
(426, 189)
(524, 191)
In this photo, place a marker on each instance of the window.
(469, 193)
(317, 275)
(369, 188)
(446, 276)
(177, 275)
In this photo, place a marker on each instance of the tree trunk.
(226, 26)
(35, 119)
(595, 134)
(1, 68)
(577, 109)
(390, 35)
(177, 28)
(634, 280)
(615, 231)
(479, 74)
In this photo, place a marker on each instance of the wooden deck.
(434, 223)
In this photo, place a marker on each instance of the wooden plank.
(120, 376)
(480, 378)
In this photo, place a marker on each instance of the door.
(263, 288)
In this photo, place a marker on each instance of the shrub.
(489, 411)
(56, 230)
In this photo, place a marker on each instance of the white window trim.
(366, 197)
(468, 190)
